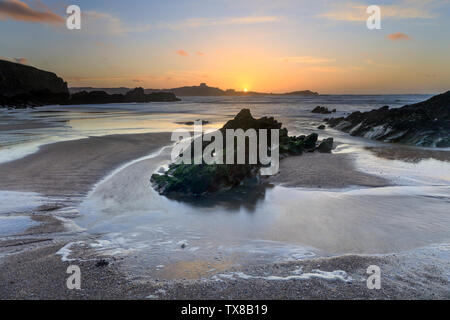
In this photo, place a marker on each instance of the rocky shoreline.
(23, 86)
(425, 124)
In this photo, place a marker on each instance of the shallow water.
(279, 224)
(13, 225)
(285, 224)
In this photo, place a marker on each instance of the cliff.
(22, 85)
(17, 79)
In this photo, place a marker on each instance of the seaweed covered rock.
(325, 146)
(195, 180)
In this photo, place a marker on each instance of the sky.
(259, 45)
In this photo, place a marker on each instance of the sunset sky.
(270, 46)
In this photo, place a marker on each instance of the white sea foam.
(297, 275)
(66, 251)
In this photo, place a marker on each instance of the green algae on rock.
(196, 180)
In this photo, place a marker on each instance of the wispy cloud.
(20, 11)
(306, 60)
(16, 60)
(407, 9)
(326, 69)
(379, 65)
(205, 22)
(94, 22)
(182, 53)
(399, 36)
(199, 53)
(100, 23)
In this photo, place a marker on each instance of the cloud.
(407, 9)
(20, 11)
(199, 53)
(99, 23)
(326, 69)
(21, 60)
(16, 60)
(205, 22)
(306, 60)
(379, 65)
(399, 36)
(182, 53)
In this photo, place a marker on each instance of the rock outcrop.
(322, 110)
(135, 95)
(425, 123)
(196, 180)
(22, 86)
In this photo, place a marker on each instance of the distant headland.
(201, 90)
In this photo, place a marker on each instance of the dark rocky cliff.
(425, 123)
(17, 79)
(22, 86)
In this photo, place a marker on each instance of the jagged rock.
(195, 180)
(423, 124)
(321, 127)
(310, 141)
(135, 95)
(322, 110)
(325, 146)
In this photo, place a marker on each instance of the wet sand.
(320, 170)
(32, 270)
(409, 154)
(40, 274)
(73, 167)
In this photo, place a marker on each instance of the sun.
(245, 90)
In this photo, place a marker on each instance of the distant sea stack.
(424, 124)
(22, 86)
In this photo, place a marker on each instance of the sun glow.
(245, 90)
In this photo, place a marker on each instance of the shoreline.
(41, 274)
(31, 269)
(73, 167)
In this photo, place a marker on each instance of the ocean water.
(62, 123)
(280, 224)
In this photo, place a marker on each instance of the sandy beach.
(73, 167)
(32, 269)
(315, 170)
(40, 274)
